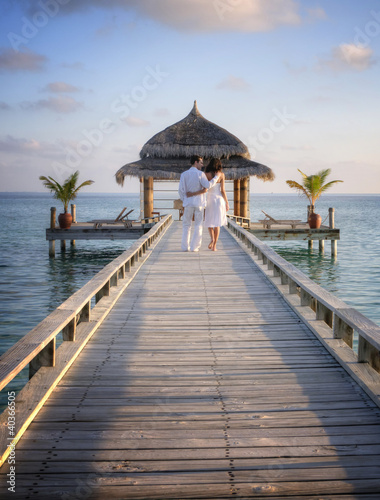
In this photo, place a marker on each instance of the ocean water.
(33, 285)
(354, 275)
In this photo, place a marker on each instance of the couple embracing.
(193, 186)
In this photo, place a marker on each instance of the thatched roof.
(167, 154)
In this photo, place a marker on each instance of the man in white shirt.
(193, 180)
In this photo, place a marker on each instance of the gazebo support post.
(244, 187)
(237, 197)
(148, 196)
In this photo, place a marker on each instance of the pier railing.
(333, 321)
(77, 318)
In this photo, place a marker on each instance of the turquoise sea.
(32, 284)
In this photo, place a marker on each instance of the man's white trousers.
(196, 241)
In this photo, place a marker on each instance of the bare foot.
(211, 244)
(214, 249)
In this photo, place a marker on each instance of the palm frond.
(67, 191)
(85, 183)
(327, 186)
(313, 185)
(302, 190)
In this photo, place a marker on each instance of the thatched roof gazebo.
(167, 154)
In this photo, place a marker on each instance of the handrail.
(78, 321)
(240, 220)
(75, 309)
(341, 319)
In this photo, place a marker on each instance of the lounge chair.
(122, 218)
(269, 221)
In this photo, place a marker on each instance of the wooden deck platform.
(99, 230)
(301, 232)
(87, 231)
(267, 230)
(202, 383)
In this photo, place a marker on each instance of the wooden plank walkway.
(202, 383)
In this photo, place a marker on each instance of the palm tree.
(67, 191)
(313, 185)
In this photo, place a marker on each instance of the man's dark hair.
(194, 159)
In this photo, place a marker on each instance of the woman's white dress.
(215, 208)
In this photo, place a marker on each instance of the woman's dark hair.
(215, 165)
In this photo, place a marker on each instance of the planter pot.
(65, 220)
(315, 221)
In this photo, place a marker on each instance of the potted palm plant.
(65, 193)
(312, 187)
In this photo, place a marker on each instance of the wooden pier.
(96, 230)
(197, 375)
(293, 230)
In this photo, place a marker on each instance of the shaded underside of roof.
(235, 167)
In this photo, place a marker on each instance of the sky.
(85, 84)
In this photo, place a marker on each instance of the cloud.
(348, 56)
(27, 60)
(10, 144)
(317, 14)
(4, 106)
(233, 83)
(223, 15)
(200, 15)
(61, 104)
(59, 87)
(133, 121)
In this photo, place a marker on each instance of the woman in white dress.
(217, 203)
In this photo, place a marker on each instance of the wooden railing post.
(74, 216)
(103, 292)
(324, 313)
(334, 243)
(74, 212)
(292, 287)
(114, 279)
(85, 313)
(46, 357)
(69, 331)
(367, 353)
(53, 212)
(343, 331)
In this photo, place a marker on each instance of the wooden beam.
(237, 197)
(148, 197)
(244, 189)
